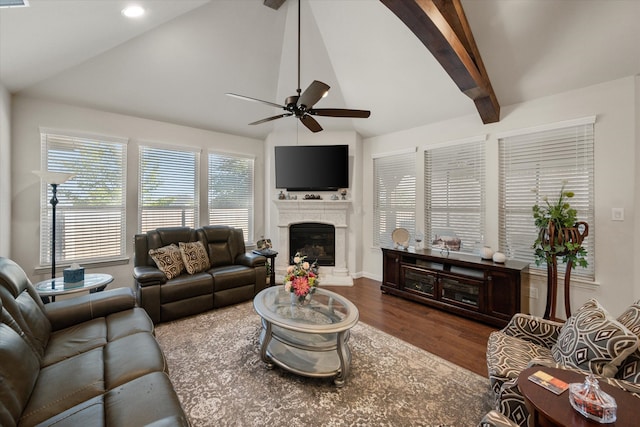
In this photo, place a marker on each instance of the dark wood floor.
(459, 340)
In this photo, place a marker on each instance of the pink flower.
(301, 286)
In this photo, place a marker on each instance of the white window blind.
(231, 181)
(168, 187)
(394, 196)
(90, 215)
(454, 180)
(536, 165)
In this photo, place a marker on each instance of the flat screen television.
(312, 167)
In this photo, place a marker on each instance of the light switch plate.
(617, 214)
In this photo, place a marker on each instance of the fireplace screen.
(315, 240)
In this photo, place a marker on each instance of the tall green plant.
(562, 215)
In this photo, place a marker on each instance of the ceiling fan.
(301, 105)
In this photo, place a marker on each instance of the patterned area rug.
(215, 366)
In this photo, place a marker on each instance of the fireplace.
(317, 213)
(315, 240)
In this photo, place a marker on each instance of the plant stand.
(552, 237)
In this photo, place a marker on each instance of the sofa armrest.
(534, 329)
(72, 311)
(148, 276)
(251, 260)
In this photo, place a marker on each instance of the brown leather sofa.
(90, 360)
(234, 274)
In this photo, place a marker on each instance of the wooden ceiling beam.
(442, 27)
(273, 4)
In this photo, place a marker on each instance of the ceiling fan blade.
(311, 123)
(313, 94)
(340, 112)
(247, 98)
(268, 119)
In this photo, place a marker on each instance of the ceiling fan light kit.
(301, 105)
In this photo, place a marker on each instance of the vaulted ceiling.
(177, 62)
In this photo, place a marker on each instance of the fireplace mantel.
(334, 212)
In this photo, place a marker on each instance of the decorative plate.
(400, 237)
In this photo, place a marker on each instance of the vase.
(300, 300)
(486, 252)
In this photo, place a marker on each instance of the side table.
(94, 282)
(270, 255)
(550, 410)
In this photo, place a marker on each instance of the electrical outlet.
(617, 214)
(532, 293)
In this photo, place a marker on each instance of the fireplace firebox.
(315, 240)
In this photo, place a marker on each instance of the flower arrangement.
(301, 278)
(561, 216)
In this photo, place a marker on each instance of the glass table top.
(58, 286)
(326, 312)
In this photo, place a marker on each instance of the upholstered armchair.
(583, 343)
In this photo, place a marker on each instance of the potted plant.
(560, 234)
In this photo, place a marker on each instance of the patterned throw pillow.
(194, 256)
(593, 341)
(630, 368)
(168, 260)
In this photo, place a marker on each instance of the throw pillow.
(630, 368)
(194, 256)
(593, 341)
(168, 260)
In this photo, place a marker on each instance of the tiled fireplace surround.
(333, 212)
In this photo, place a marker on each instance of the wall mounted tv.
(312, 167)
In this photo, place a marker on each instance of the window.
(394, 196)
(231, 192)
(168, 187)
(535, 164)
(454, 193)
(90, 215)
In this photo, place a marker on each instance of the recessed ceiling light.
(133, 11)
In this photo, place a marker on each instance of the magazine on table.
(549, 382)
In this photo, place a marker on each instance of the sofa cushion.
(194, 257)
(65, 384)
(19, 369)
(507, 356)
(630, 368)
(168, 259)
(594, 341)
(185, 287)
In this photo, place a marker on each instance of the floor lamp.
(54, 179)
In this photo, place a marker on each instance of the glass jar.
(590, 401)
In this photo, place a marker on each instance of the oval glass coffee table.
(309, 340)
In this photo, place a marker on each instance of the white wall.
(30, 114)
(5, 171)
(617, 182)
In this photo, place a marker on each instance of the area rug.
(215, 366)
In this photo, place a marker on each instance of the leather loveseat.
(590, 341)
(90, 360)
(222, 274)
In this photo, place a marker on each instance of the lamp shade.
(56, 178)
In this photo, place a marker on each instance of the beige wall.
(31, 114)
(617, 252)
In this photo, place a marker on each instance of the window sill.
(576, 282)
(87, 264)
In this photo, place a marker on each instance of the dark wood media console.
(462, 284)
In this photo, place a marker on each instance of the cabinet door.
(503, 294)
(420, 281)
(391, 269)
(461, 291)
